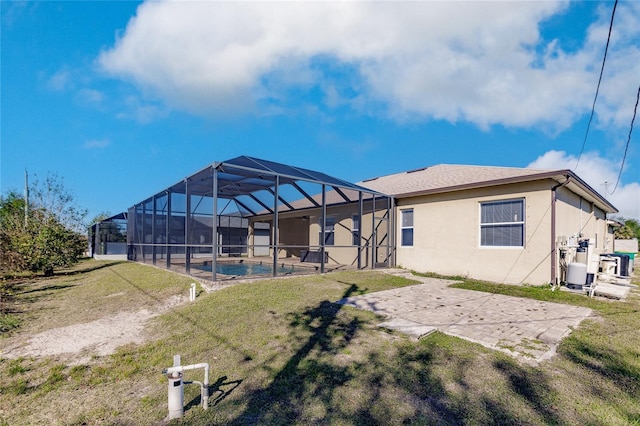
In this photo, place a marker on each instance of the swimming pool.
(246, 268)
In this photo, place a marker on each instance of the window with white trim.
(502, 223)
(330, 223)
(406, 230)
(355, 230)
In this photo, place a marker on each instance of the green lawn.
(282, 353)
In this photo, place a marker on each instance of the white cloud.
(472, 61)
(59, 81)
(91, 96)
(97, 143)
(139, 110)
(15, 11)
(601, 174)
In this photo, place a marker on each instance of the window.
(328, 231)
(355, 230)
(407, 227)
(502, 223)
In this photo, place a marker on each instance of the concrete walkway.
(525, 328)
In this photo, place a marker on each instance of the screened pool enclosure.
(108, 237)
(247, 217)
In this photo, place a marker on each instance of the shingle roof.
(448, 177)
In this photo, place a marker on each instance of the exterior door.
(261, 237)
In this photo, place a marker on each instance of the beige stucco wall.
(294, 232)
(302, 229)
(343, 251)
(447, 235)
(577, 217)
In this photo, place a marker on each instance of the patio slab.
(525, 328)
(612, 291)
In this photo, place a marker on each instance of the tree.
(624, 233)
(100, 217)
(51, 198)
(52, 234)
(634, 225)
(11, 227)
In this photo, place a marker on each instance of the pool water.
(246, 269)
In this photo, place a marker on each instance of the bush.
(44, 237)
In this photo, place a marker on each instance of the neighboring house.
(490, 223)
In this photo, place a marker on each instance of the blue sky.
(122, 99)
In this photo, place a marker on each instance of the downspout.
(554, 272)
(605, 235)
(323, 223)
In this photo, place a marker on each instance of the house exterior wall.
(576, 216)
(446, 236)
(294, 232)
(447, 232)
(342, 250)
(300, 230)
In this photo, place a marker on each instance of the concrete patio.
(526, 328)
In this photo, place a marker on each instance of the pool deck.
(299, 268)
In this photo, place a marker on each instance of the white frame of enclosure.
(244, 176)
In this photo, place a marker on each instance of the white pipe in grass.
(204, 388)
(192, 292)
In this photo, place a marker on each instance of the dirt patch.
(99, 337)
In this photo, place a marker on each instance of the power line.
(628, 141)
(593, 107)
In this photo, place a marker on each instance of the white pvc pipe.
(175, 392)
(175, 395)
(192, 292)
(205, 387)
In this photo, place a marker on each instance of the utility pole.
(26, 197)
(606, 189)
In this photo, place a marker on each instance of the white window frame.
(328, 230)
(355, 230)
(521, 222)
(404, 227)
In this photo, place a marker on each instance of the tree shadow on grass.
(444, 388)
(306, 374)
(88, 267)
(34, 287)
(308, 387)
(530, 384)
(15, 299)
(606, 362)
(401, 384)
(412, 381)
(30, 277)
(218, 392)
(44, 289)
(613, 371)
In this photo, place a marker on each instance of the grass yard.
(281, 352)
